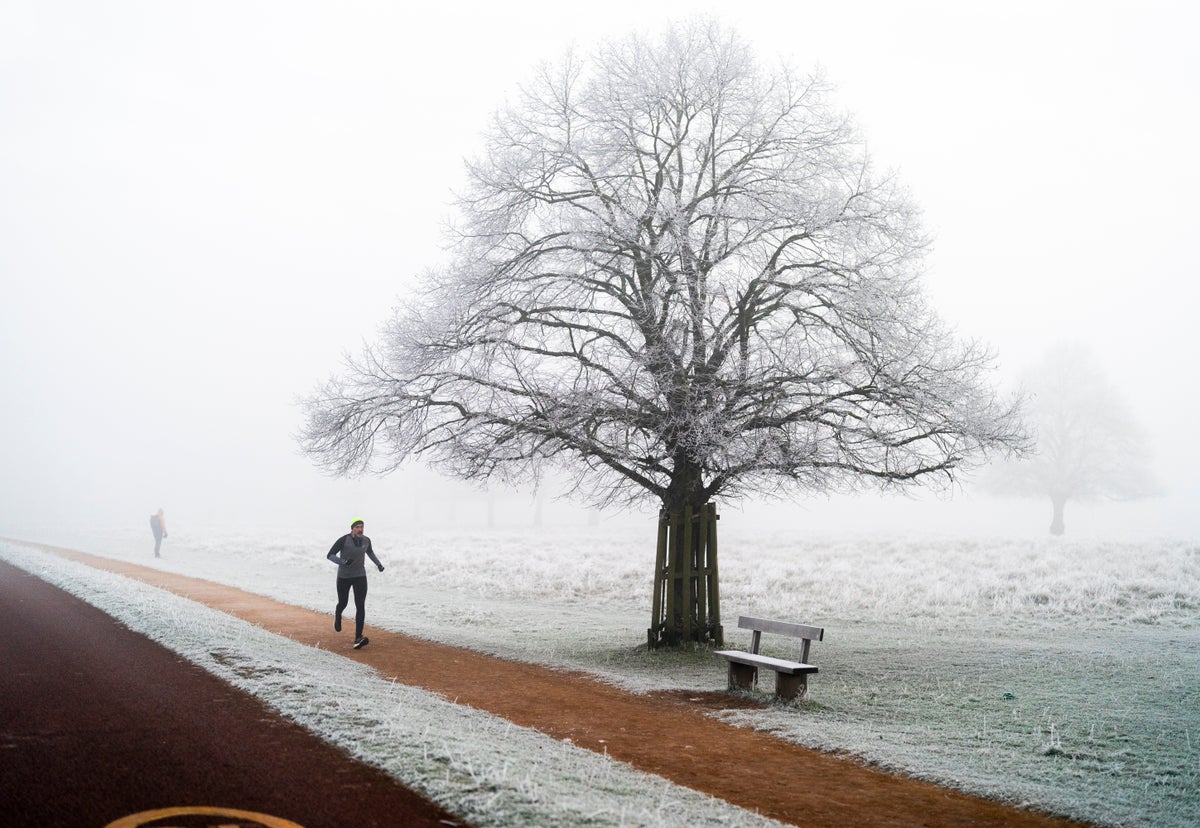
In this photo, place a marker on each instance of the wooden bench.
(791, 677)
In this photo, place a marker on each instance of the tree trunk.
(1057, 527)
(687, 601)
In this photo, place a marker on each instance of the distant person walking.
(158, 525)
(350, 552)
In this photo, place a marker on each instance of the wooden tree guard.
(687, 599)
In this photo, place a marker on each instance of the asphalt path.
(100, 726)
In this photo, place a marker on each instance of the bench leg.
(742, 676)
(788, 687)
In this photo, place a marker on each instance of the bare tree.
(676, 277)
(1089, 445)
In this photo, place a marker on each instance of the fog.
(204, 206)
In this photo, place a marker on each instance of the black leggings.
(360, 600)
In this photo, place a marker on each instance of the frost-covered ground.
(476, 765)
(1056, 673)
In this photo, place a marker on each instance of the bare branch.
(676, 276)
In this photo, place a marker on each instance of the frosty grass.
(1054, 674)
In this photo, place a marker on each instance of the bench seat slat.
(779, 665)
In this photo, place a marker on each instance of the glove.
(381, 567)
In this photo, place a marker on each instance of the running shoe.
(362, 642)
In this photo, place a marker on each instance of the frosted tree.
(1088, 443)
(675, 277)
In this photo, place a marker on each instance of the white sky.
(203, 205)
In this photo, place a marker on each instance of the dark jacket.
(350, 554)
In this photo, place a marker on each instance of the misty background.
(204, 206)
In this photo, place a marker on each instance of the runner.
(349, 552)
(158, 528)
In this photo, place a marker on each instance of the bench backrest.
(804, 632)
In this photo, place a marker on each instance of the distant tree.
(676, 278)
(1088, 444)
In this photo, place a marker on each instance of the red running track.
(99, 724)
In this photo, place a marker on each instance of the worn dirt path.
(667, 734)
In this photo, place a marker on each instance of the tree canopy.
(1088, 443)
(675, 275)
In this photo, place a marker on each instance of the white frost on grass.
(479, 766)
(1055, 673)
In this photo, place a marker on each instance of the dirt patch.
(707, 700)
(669, 733)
